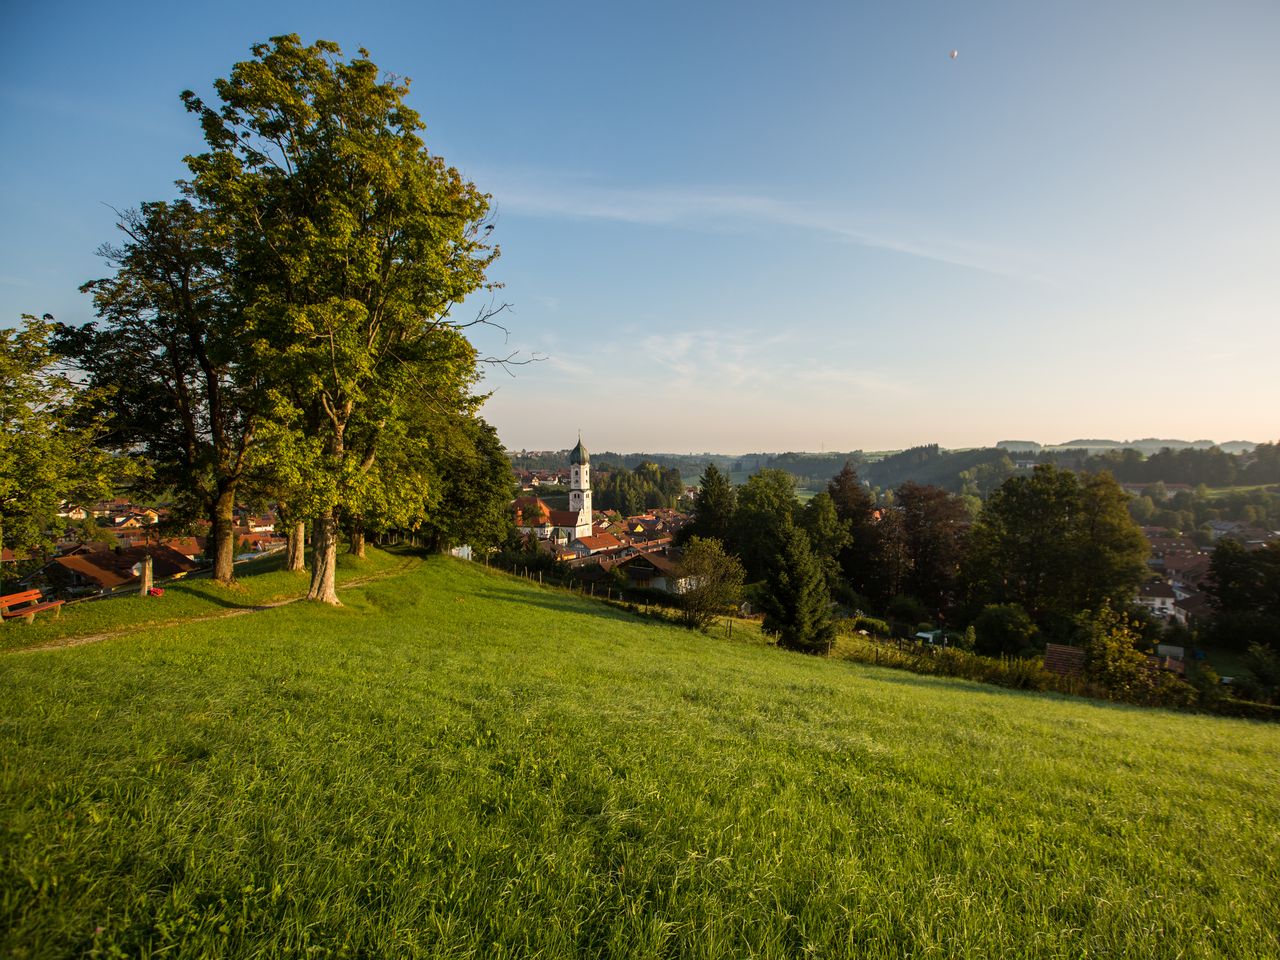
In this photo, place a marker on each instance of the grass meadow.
(460, 764)
(259, 582)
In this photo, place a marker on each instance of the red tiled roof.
(564, 518)
(603, 541)
(109, 568)
(1064, 660)
(187, 546)
(531, 512)
(1193, 603)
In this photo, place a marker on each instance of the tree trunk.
(222, 536)
(325, 542)
(357, 539)
(295, 559)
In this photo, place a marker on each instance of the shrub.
(1114, 661)
(873, 625)
(715, 578)
(1004, 629)
(1261, 677)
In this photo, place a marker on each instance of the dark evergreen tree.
(827, 535)
(713, 507)
(798, 606)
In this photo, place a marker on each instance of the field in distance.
(460, 764)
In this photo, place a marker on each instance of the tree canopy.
(169, 362)
(1055, 545)
(48, 440)
(351, 245)
(713, 506)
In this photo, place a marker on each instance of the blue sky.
(760, 226)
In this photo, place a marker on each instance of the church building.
(564, 526)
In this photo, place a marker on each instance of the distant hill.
(1147, 445)
(976, 470)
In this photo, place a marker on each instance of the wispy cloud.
(717, 209)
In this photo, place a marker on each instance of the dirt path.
(63, 643)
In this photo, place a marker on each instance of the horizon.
(737, 227)
(1080, 441)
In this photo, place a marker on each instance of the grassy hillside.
(259, 583)
(460, 765)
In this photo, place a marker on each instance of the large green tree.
(766, 508)
(1055, 545)
(353, 245)
(1244, 590)
(856, 510)
(170, 355)
(476, 487)
(935, 526)
(828, 536)
(48, 441)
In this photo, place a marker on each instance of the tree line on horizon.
(282, 331)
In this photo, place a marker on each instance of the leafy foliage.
(352, 245)
(933, 529)
(762, 523)
(1244, 589)
(713, 507)
(715, 581)
(1261, 678)
(828, 536)
(634, 491)
(1004, 630)
(48, 440)
(1114, 661)
(1055, 545)
(170, 356)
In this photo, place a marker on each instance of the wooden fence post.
(145, 580)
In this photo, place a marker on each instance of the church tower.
(580, 488)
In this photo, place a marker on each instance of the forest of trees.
(281, 331)
(1052, 555)
(1047, 545)
(635, 491)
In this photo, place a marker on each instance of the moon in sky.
(954, 54)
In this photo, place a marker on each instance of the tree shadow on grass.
(218, 599)
(561, 603)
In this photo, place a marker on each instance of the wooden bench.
(28, 605)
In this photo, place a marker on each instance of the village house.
(89, 571)
(1158, 597)
(653, 571)
(597, 543)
